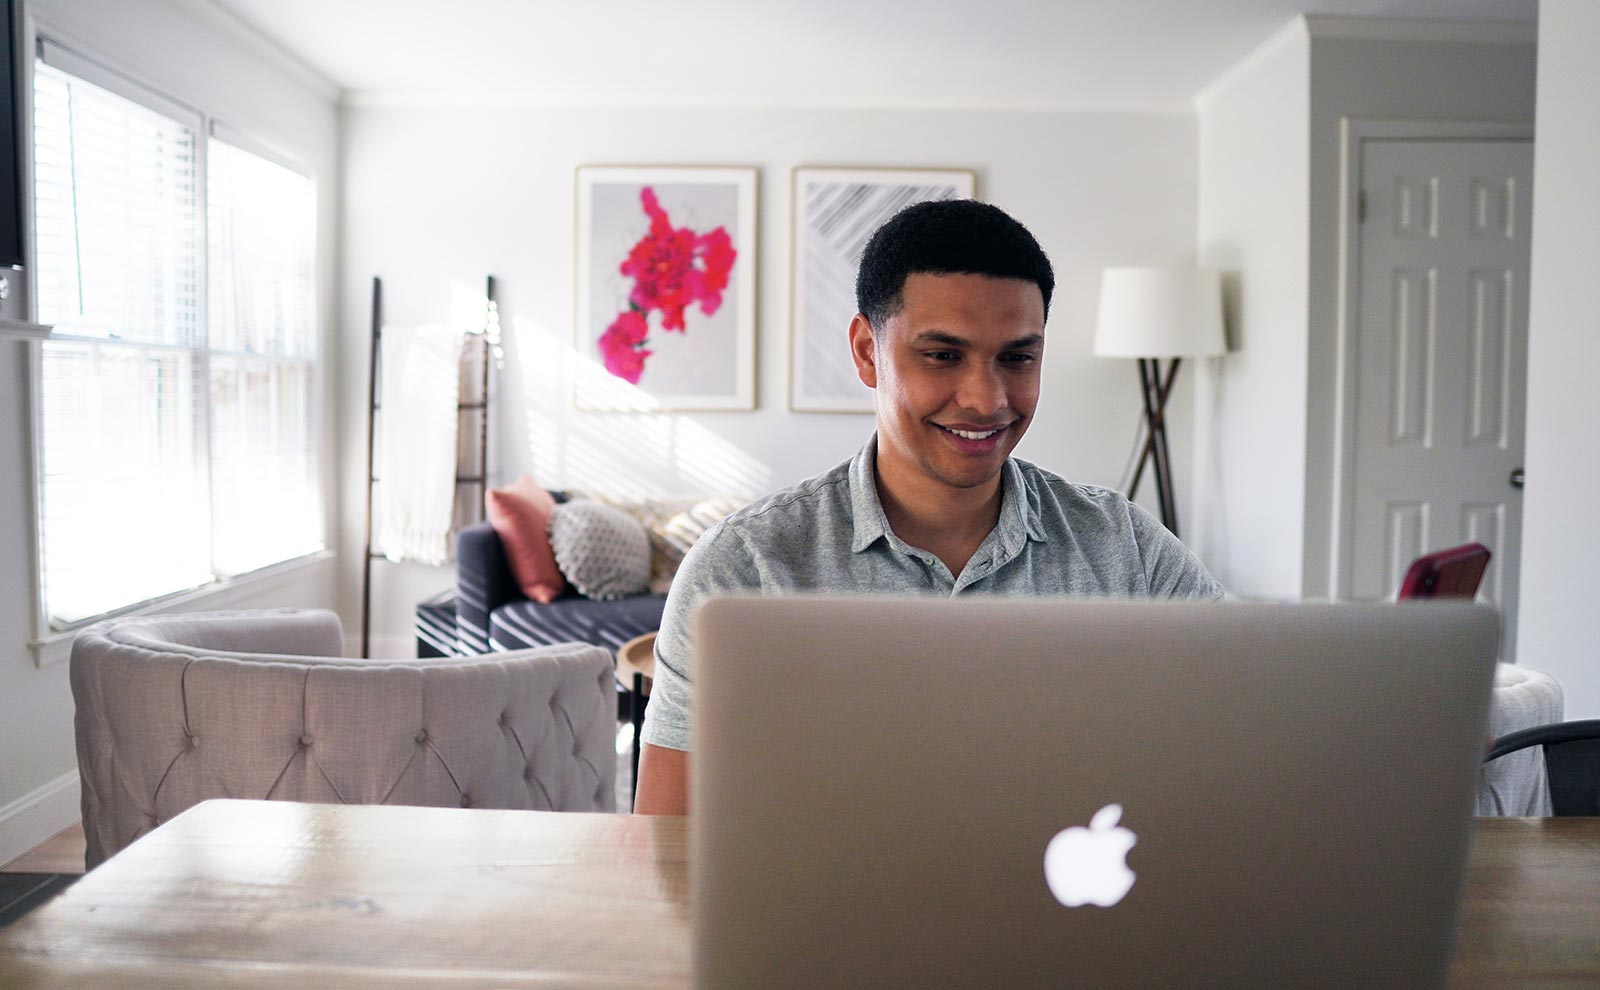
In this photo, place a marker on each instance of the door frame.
(1354, 132)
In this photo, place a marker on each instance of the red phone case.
(1452, 573)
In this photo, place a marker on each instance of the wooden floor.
(41, 873)
(22, 892)
(61, 853)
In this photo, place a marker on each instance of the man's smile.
(969, 440)
(972, 434)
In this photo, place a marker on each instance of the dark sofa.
(493, 615)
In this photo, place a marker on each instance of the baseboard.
(35, 817)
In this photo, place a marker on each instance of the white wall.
(1250, 404)
(190, 57)
(1270, 162)
(1560, 628)
(1370, 78)
(441, 195)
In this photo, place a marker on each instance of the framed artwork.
(835, 212)
(665, 296)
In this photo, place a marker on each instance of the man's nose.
(982, 391)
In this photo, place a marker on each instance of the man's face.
(957, 377)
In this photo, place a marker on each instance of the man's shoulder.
(1053, 497)
(1106, 531)
(816, 500)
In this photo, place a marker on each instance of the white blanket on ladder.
(420, 386)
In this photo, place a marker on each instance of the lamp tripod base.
(1156, 387)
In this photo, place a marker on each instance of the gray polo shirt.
(830, 534)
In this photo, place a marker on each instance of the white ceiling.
(1103, 54)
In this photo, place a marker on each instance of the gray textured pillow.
(603, 551)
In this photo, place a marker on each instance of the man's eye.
(940, 355)
(1019, 357)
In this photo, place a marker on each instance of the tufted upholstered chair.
(172, 710)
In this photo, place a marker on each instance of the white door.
(1441, 363)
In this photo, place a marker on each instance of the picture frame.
(834, 212)
(665, 287)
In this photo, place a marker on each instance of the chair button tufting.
(422, 737)
(505, 718)
(465, 801)
(194, 741)
(305, 740)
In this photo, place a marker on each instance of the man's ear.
(863, 349)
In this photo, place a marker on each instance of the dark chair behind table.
(1571, 759)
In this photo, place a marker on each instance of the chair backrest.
(172, 711)
(1571, 758)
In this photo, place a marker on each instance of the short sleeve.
(720, 562)
(1172, 569)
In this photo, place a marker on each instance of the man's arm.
(663, 782)
(716, 563)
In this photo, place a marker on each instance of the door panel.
(1441, 359)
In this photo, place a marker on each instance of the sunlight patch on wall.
(632, 452)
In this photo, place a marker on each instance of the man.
(953, 297)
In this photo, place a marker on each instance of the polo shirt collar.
(1019, 511)
(866, 511)
(1020, 518)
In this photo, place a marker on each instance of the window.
(265, 505)
(176, 395)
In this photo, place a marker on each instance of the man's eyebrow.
(941, 337)
(1031, 340)
(954, 340)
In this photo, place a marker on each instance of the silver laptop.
(988, 792)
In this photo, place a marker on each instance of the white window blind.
(263, 467)
(176, 395)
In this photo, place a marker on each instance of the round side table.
(637, 657)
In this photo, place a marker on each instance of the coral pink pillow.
(520, 515)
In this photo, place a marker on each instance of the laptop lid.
(1230, 794)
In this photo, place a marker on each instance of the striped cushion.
(524, 623)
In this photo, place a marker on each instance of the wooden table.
(273, 894)
(277, 894)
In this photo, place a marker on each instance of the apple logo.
(1089, 865)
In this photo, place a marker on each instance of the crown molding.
(1424, 31)
(566, 99)
(1321, 27)
(274, 54)
(1294, 31)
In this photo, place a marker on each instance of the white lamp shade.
(1159, 312)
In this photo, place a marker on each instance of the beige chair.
(175, 709)
(1517, 784)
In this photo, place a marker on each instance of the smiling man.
(953, 297)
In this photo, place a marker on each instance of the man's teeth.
(969, 435)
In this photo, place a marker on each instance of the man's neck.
(949, 522)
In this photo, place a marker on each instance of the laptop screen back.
(1284, 791)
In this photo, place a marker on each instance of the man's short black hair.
(946, 237)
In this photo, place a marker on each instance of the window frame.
(48, 644)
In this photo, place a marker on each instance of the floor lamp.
(1154, 314)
